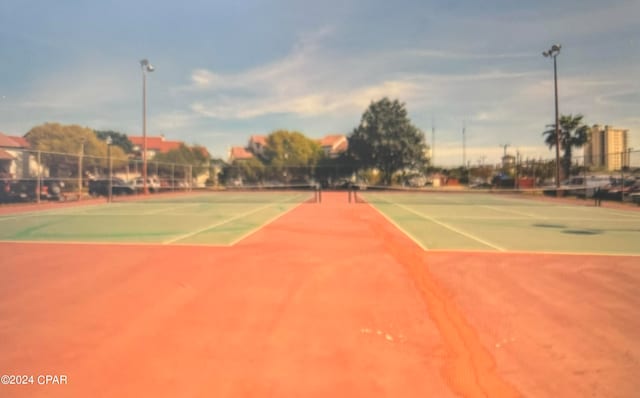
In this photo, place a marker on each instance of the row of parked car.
(119, 186)
(100, 187)
(27, 190)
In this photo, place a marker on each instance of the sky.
(226, 70)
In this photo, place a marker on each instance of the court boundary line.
(521, 213)
(463, 233)
(261, 226)
(222, 222)
(395, 224)
(111, 243)
(537, 253)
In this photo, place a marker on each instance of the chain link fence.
(29, 175)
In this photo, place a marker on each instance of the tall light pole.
(146, 67)
(80, 168)
(553, 53)
(109, 197)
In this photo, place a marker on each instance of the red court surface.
(329, 300)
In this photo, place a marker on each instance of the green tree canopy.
(195, 156)
(291, 148)
(62, 144)
(386, 140)
(573, 134)
(118, 139)
(290, 154)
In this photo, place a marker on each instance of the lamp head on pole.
(146, 66)
(553, 51)
(108, 140)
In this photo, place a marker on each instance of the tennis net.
(467, 196)
(302, 193)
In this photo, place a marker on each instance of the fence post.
(38, 177)
(622, 176)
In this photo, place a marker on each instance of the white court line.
(174, 207)
(468, 235)
(53, 212)
(269, 221)
(217, 224)
(541, 253)
(433, 220)
(522, 213)
(404, 231)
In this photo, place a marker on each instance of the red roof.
(4, 155)
(8, 142)
(332, 139)
(20, 141)
(158, 144)
(240, 153)
(202, 150)
(341, 147)
(259, 139)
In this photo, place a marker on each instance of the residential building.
(334, 144)
(155, 145)
(15, 159)
(257, 144)
(239, 153)
(607, 148)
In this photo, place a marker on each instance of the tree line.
(385, 143)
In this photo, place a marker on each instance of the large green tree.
(195, 156)
(61, 145)
(291, 154)
(573, 134)
(386, 140)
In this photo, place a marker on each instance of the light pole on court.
(146, 67)
(80, 156)
(553, 53)
(110, 169)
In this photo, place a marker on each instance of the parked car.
(8, 194)
(27, 190)
(100, 187)
(153, 185)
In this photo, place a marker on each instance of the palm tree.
(573, 134)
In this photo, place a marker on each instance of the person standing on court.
(597, 195)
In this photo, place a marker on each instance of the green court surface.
(489, 222)
(209, 219)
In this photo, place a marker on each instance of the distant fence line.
(76, 169)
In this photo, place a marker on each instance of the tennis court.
(253, 294)
(211, 218)
(507, 221)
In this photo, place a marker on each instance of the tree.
(573, 134)
(118, 139)
(196, 156)
(291, 154)
(250, 171)
(386, 140)
(61, 146)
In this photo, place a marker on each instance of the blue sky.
(226, 70)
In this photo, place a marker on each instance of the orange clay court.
(280, 296)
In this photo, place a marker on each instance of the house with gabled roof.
(239, 153)
(15, 160)
(334, 144)
(155, 145)
(257, 144)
